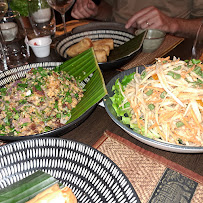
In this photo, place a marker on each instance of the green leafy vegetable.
(20, 5)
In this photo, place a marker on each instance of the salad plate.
(154, 143)
(91, 175)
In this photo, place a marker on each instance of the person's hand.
(152, 18)
(84, 9)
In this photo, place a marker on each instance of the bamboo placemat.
(154, 178)
(170, 42)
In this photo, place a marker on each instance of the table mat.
(170, 42)
(154, 178)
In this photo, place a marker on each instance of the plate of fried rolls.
(112, 48)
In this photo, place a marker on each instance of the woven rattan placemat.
(154, 178)
(169, 43)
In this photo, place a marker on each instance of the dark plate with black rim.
(100, 30)
(19, 72)
(91, 175)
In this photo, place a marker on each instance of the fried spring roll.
(101, 56)
(106, 41)
(64, 195)
(106, 48)
(79, 47)
(49, 190)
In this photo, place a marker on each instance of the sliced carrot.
(192, 139)
(166, 116)
(186, 123)
(200, 102)
(195, 119)
(190, 70)
(153, 126)
(161, 133)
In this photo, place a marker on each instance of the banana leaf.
(84, 67)
(27, 188)
(128, 47)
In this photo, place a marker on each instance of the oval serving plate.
(119, 37)
(19, 72)
(157, 144)
(91, 175)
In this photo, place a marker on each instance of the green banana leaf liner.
(27, 188)
(84, 68)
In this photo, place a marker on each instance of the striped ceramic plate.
(91, 175)
(119, 38)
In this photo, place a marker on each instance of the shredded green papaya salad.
(164, 102)
(40, 102)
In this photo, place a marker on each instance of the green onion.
(177, 68)
(2, 127)
(174, 75)
(58, 115)
(179, 124)
(198, 70)
(56, 105)
(195, 61)
(143, 74)
(163, 94)
(16, 116)
(6, 120)
(149, 92)
(47, 128)
(3, 91)
(151, 106)
(38, 87)
(22, 101)
(69, 99)
(24, 124)
(15, 110)
(24, 85)
(76, 95)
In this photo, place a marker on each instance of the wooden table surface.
(94, 126)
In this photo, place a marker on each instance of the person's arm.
(88, 9)
(152, 18)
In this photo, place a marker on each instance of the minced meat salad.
(40, 102)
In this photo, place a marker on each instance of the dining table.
(145, 166)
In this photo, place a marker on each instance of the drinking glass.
(16, 50)
(61, 6)
(3, 9)
(42, 18)
(197, 49)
